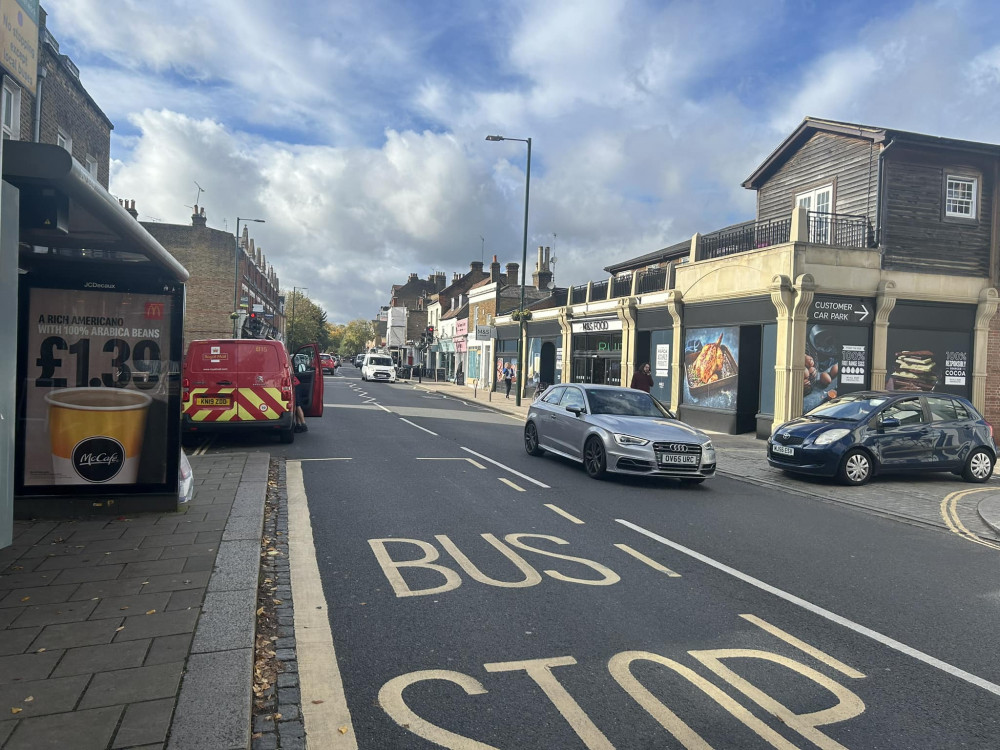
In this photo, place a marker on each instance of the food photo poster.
(710, 364)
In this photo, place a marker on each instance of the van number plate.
(213, 400)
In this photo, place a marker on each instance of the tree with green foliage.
(356, 336)
(305, 322)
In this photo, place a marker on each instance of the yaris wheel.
(978, 467)
(856, 468)
(595, 458)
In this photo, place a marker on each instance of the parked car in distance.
(613, 429)
(359, 359)
(329, 363)
(858, 435)
(378, 367)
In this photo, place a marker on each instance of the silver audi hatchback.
(613, 429)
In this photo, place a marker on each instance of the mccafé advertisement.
(98, 388)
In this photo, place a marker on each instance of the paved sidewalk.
(917, 500)
(135, 631)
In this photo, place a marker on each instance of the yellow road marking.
(803, 646)
(648, 560)
(949, 512)
(455, 458)
(510, 483)
(324, 702)
(563, 513)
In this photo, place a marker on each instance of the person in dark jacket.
(642, 380)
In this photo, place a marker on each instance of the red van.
(247, 384)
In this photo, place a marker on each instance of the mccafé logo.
(98, 459)
(154, 311)
(595, 325)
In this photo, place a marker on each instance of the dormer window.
(960, 197)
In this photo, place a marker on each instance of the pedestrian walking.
(508, 378)
(642, 380)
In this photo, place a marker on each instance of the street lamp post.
(236, 265)
(291, 330)
(524, 266)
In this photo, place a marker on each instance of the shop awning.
(63, 206)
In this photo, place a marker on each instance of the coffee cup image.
(96, 434)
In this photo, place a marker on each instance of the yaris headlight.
(831, 436)
(629, 440)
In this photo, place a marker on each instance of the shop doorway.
(547, 363)
(597, 370)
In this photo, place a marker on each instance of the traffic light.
(256, 323)
(429, 335)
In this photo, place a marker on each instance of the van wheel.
(287, 436)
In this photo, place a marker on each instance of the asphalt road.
(479, 597)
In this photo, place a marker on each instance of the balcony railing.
(840, 230)
(622, 286)
(599, 290)
(745, 238)
(653, 280)
(578, 294)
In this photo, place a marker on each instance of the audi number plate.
(213, 400)
(782, 450)
(678, 458)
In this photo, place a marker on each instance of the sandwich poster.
(925, 361)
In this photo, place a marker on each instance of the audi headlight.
(831, 436)
(629, 440)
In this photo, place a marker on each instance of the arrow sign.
(836, 310)
(863, 312)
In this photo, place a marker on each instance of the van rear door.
(263, 380)
(212, 371)
(307, 370)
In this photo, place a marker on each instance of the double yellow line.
(949, 512)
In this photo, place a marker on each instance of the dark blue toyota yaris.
(855, 436)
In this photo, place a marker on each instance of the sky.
(356, 130)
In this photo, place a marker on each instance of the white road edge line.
(817, 610)
(414, 424)
(515, 472)
(323, 459)
(383, 408)
(324, 704)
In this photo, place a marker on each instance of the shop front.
(722, 364)
(506, 354)
(597, 351)
(929, 347)
(654, 344)
(461, 341)
(543, 354)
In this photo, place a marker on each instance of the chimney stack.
(440, 280)
(198, 219)
(542, 277)
(494, 270)
(413, 277)
(476, 266)
(512, 277)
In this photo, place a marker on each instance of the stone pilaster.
(791, 303)
(885, 301)
(988, 300)
(675, 306)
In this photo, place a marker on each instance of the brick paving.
(99, 617)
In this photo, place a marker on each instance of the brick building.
(208, 254)
(67, 115)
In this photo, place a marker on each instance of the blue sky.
(356, 129)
